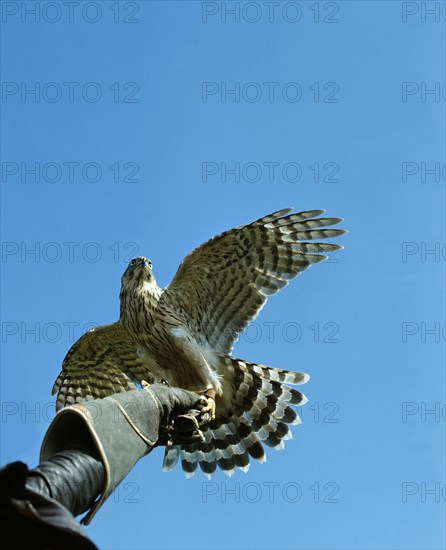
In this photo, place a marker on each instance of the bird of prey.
(184, 334)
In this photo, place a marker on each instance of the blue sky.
(132, 132)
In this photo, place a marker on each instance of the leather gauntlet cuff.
(118, 430)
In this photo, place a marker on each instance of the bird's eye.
(133, 262)
(150, 264)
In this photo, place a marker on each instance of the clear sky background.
(134, 132)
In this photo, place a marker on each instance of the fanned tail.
(261, 414)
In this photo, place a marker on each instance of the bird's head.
(138, 273)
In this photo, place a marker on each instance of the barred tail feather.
(261, 414)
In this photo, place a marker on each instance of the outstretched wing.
(222, 285)
(104, 361)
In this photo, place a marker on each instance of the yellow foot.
(146, 385)
(209, 408)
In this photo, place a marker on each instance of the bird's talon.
(203, 402)
(209, 408)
